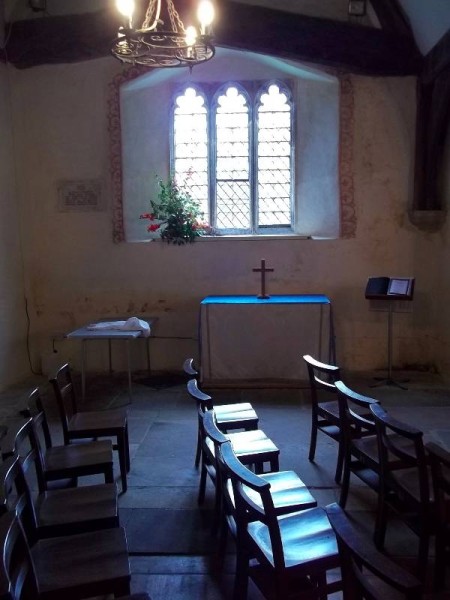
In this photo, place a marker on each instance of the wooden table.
(86, 335)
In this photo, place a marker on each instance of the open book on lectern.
(390, 288)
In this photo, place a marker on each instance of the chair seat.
(104, 422)
(236, 416)
(329, 410)
(77, 510)
(367, 447)
(306, 536)
(102, 568)
(251, 447)
(253, 444)
(62, 460)
(289, 493)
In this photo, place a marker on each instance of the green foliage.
(179, 215)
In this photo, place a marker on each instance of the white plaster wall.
(13, 359)
(76, 273)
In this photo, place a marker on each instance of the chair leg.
(122, 589)
(223, 538)
(121, 446)
(127, 449)
(439, 563)
(241, 577)
(345, 483)
(198, 450)
(109, 474)
(380, 522)
(313, 440)
(202, 484)
(424, 542)
(339, 464)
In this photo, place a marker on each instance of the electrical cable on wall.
(28, 339)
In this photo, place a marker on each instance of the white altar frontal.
(247, 340)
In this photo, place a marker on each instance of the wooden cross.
(263, 270)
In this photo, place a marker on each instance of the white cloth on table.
(131, 324)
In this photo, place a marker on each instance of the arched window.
(274, 156)
(232, 149)
(190, 144)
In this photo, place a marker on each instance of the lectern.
(390, 289)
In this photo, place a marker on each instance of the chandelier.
(156, 44)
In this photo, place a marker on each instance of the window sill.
(243, 238)
(252, 238)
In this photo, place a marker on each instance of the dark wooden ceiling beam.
(437, 60)
(365, 50)
(392, 18)
(352, 47)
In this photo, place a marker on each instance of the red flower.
(149, 216)
(153, 227)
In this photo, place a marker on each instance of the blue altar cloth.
(278, 299)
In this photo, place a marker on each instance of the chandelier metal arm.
(152, 47)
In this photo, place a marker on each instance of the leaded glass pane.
(232, 161)
(190, 131)
(274, 158)
(233, 206)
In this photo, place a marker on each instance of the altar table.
(263, 340)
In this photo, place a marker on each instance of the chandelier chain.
(175, 21)
(152, 14)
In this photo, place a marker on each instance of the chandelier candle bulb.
(126, 8)
(205, 14)
(191, 36)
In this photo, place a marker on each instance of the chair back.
(65, 397)
(439, 460)
(36, 407)
(246, 483)
(18, 579)
(201, 399)
(401, 447)
(15, 496)
(354, 413)
(27, 445)
(322, 378)
(362, 566)
(189, 368)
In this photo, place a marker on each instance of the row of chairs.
(283, 540)
(390, 457)
(59, 543)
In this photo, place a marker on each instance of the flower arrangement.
(175, 214)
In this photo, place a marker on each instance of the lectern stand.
(390, 289)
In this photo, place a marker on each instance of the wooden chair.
(439, 460)
(75, 566)
(61, 463)
(31, 575)
(288, 490)
(293, 552)
(230, 417)
(404, 482)
(360, 446)
(366, 573)
(252, 447)
(324, 407)
(91, 424)
(58, 512)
